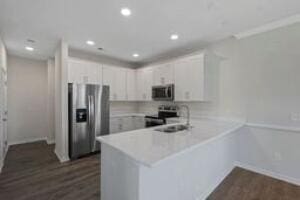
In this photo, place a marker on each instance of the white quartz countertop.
(128, 115)
(149, 147)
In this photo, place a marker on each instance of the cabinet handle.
(187, 95)
(162, 80)
(120, 127)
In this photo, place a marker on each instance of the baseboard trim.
(61, 159)
(50, 141)
(213, 186)
(27, 141)
(1, 165)
(268, 173)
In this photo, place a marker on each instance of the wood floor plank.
(241, 184)
(32, 172)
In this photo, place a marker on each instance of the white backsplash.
(123, 107)
(197, 109)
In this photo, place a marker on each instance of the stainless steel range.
(164, 112)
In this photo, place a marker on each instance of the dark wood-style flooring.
(32, 172)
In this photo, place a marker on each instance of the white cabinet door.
(120, 82)
(113, 125)
(115, 77)
(131, 85)
(189, 79)
(94, 73)
(80, 71)
(116, 125)
(139, 122)
(128, 124)
(144, 84)
(163, 74)
(76, 72)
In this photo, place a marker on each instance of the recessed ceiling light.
(29, 48)
(174, 37)
(135, 55)
(126, 12)
(90, 42)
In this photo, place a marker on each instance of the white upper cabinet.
(80, 71)
(115, 77)
(144, 84)
(163, 74)
(131, 85)
(195, 78)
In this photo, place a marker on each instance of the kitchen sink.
(173, 129)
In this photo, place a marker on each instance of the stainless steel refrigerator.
(88, 117)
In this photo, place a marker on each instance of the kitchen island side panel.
(119, 175)
(192, 175)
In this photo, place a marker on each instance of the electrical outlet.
(277, 156)
(295, 116)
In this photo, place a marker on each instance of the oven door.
(163, 93)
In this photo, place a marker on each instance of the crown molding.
(268, 27)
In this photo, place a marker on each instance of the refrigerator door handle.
(90, 111)
(93, 124)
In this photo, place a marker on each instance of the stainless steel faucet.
(188, 114)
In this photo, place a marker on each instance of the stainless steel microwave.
(163, 92)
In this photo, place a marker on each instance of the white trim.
(61, 159)
(268, 173)
(268, 27)
(274, 127)
(213, 186)
(3, 159)
(1, 165)
(27, 141)
(50, 141)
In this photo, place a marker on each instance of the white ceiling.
(146, 31)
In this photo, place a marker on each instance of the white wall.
(271, 152)
(27, 97)
(51, 100)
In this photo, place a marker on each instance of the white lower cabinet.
(128, 123)
(138, 122)
(114, 125)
